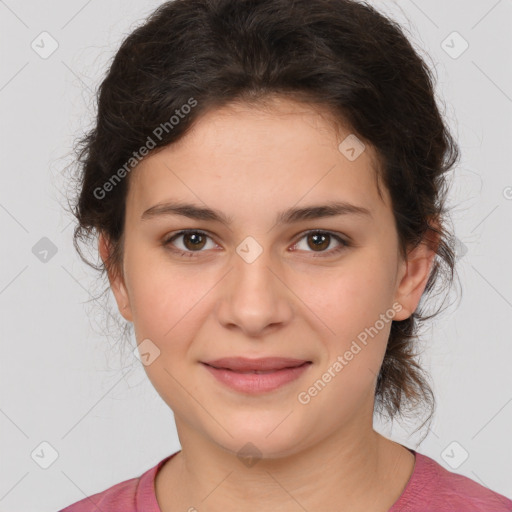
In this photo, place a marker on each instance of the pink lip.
(236, 372)
(244, 364)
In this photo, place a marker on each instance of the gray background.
(65, 383)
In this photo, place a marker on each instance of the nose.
(255, 298)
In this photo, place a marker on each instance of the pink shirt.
(431, 488)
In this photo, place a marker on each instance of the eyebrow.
(289, 216)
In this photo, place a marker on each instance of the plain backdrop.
(71, 400)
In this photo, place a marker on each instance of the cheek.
(353, 297)
(360, 314)
(161, 292)
(357, 307)
(154, 304)
(166, 305)
(168, 299)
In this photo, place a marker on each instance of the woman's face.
(260, 285)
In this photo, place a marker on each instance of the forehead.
(279, 153)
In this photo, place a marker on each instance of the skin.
(294, 300)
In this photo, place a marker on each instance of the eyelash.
(191, 254)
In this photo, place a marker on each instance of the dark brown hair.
(191, 56)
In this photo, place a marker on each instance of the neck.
(346, 471)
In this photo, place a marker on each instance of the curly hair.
(342, 55)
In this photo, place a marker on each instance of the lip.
(239, 373)
(244, 364)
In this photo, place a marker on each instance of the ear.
(116, 280)
(415, 271)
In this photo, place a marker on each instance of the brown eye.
(192, 241)
(319, 241)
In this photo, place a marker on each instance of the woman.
(267, 182)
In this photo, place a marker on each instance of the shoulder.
(133, 495)
(121, 495)
(433, 487)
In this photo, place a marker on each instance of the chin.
(261, 442)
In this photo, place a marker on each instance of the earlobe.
(414, 280)
(116, 280)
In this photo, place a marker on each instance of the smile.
(254, 381)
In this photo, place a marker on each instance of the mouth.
(256, 375)
(261, 365)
